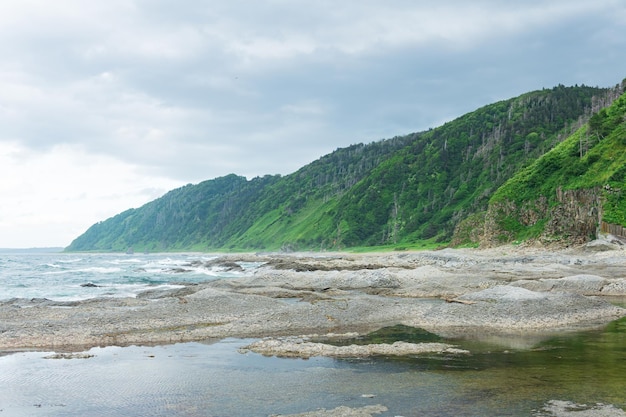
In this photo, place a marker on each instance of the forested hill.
(397, 192)
(571, 191)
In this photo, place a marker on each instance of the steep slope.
(450, 172)
(395, 191)
(181, 219)
(441, 176)
(570, 193)
(233, 213)
(304, 217)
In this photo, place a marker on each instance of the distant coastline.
(32, 250)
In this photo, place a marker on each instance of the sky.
(107, 105)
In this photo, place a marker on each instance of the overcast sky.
(106, 105)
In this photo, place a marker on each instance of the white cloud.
(194, 90)
(52, 197)
(367, 27)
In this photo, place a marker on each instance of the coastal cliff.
(572, 217)
(570, 195)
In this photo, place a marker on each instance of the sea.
(72, 277)
(560, 374)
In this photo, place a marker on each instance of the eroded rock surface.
(559, 408)
(500, 291)
(343, 411)
(294, 347)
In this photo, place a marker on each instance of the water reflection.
(195, 379)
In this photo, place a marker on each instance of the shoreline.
(498, 292)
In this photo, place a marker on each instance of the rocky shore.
(501, 291)
(553, 408)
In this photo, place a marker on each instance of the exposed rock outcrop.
(576, 217)
(343, 411)
(301, 347)
(573, 220)
(501, 290)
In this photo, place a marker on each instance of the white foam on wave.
(204, 271)
(61, 272)
(69, 261)
(160, 263)
(99, 269)
(152, 270)
(125, 261)
(62, 278)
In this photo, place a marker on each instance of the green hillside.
(181, 219)
(450, 172)
(395, 192)
(571, 191)
(234, 213)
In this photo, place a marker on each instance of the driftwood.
(456, 300)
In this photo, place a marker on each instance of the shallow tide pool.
(500, 378)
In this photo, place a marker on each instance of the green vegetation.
(402, 193)
(450, 172)
(590, 164)
(390, 334)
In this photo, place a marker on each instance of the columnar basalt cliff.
(569, 195)
(574, 217)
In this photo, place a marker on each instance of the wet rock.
(343, 411)
(231, 266)
(178, 270)
(558, 408)
(222, 263)
(69, 356)
(295, 347)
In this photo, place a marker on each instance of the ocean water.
(69, 277)
(212, 378)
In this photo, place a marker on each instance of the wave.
(60, 278)
(125, 261)
(99, 269)
(92, 269)
(69, 261)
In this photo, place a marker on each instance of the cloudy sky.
(106, 105)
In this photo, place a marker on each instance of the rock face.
(577, 216)
(573, 220)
